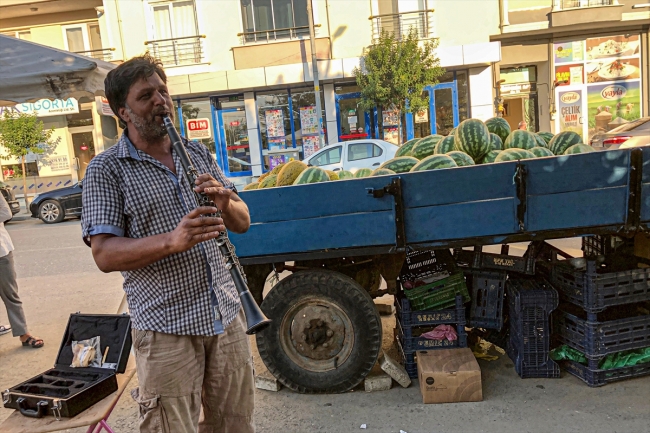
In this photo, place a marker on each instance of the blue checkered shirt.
(128, 193)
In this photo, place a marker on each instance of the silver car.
(637, 129)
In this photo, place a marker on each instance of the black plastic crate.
(409, 317)
(409, 362)
(601, 245)
(409, 338)
(614, 330)
(596, 377)
(479, 260)
(486, 289)
(427, 263)
(596, 288)
(530, 302)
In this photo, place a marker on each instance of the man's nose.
(159, 99)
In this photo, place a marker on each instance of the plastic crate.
(487, 289)
(601, 245)
(479, 260)
(595, 289)
(619, 328)
(595, 377)
(427, 263)
(530, 303)
(409, 317)
(409, 362)
(439, 294)
(411, 341)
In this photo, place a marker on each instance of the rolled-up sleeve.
(102, 203)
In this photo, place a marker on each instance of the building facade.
(574, 65)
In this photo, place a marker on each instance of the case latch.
(6, 397)
(56, 408)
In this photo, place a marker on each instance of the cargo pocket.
(152, 416)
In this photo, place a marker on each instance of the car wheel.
(50, 212)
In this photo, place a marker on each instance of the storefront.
(520, 98)
(82, 128)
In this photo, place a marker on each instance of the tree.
(394, 72)
(22, 134)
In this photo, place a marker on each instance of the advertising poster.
(613, 46)
(422, 116)
(309, 120)
(390, 117)
(391, 135)
(277, 144)
(568, 52)
(613, 70)
(274, 124)
(622, 99)
(275, 160)
(310, 145)
(568, 75)
(570, 111)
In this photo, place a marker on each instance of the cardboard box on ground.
(449, 376)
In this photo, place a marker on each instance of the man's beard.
(147, 127)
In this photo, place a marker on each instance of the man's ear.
(122, 114)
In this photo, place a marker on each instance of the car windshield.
(630, 126)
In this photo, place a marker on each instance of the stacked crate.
(606, 310)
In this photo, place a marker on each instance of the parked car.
(353, 155)
(641, 140)
(8, 195)
(53, 206)
(619, 135)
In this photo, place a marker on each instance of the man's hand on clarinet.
(195, 227)
(215, 190)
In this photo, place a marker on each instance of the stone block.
(378, 382)
(267, 382)
(394, 369)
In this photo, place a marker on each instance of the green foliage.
(21, 134)
(396, 69)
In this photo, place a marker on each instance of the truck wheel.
(325, 334)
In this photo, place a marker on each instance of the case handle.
(39, 412)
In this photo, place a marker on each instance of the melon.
(490, 157)
(382, 172)
(579, 148)
(312, 175)
(541, 152)
(498, 126)
(495, 142)
(290, 172)
(332, 175)
(540, 141)
(268, 182)
(513, 154)
(452, 132)
(362, 172)
(444, 146)
(435, 162)
(547, 136)
(473, 138)
(562, 141)
(425, 146)
(520, 139)
(344, 174)
(460, 158)
(251, 186)
(406, 148)
(401, 164)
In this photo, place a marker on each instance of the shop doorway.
(521, 109)
(234, 153)
(353, 122)
(441, 116)
(83, 143)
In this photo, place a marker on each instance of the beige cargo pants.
(181, 374)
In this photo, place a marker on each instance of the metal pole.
(314, 65)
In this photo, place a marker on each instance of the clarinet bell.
(255, 319)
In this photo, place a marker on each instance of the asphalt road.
(57, 277)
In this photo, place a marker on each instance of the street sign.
(198, 128)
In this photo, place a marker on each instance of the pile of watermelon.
(471, 142)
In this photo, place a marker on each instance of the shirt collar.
(126, 149)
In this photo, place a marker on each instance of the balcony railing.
(187, 50)
(273, 35)
(105, 54)
(400, 24)
(573, 4)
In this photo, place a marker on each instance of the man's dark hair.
(118, 82)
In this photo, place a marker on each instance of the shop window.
(275, 123)
(266, 20)
(341, 89)
(359, 151)
(15, 171)
(305, 120)
(198, 109)
(463, 95)
(82, 118)
(332, 156)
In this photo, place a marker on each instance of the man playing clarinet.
(140, 218)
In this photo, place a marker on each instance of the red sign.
(198, 128)
(235, 123)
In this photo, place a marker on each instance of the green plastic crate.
(439, 294)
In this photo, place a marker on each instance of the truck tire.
(325, 335)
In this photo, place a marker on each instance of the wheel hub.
(50, 212)
(318, 332)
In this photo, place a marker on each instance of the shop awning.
(29, 72)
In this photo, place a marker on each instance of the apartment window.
(175, 31)
(23, 34)
(266, 20)
(570, 4)
(84, 39)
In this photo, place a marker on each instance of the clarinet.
(255, 318)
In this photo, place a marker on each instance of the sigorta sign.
(45, 107)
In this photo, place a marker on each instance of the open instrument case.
(65, 391)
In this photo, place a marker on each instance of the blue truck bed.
(535, 199)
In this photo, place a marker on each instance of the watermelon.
(539, 139)
(435, 162)
(498, 126)
(268, 182)
(562, 141)
(547, 136)
(290, 172)
(513, 154)
(406, 148)
(444, 146)
(452, 133)
(425, 146)
(344, 174)
(312, 175)
(473, 138)
(382, 172)
(461, 159)
(362, 172)
(541, 152)
(401, 164)
(520, 139)
(579, 148)
(490, 157)
(495, 142)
